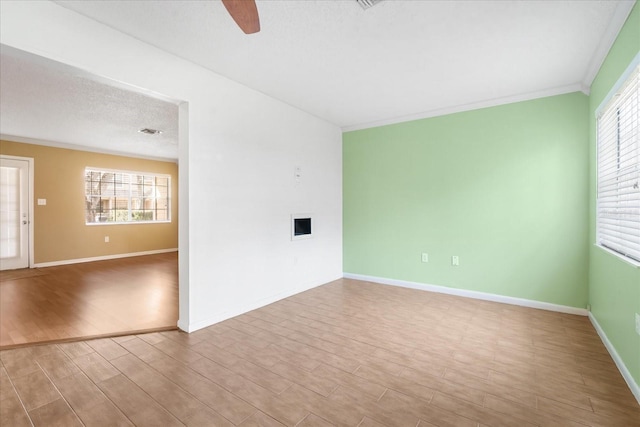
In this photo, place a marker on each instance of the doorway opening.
(151, 277)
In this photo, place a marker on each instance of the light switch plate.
(42, 202)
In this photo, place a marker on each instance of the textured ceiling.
(398, 60)
(50, 102)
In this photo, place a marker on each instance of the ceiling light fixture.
(366, 4)
(149, 131)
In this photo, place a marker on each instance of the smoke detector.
(366, 4)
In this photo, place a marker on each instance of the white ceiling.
(356, 68)
(47, 102)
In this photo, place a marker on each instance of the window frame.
(129, 197)
(610, 106)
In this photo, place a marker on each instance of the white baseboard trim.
(101, 258)
(633, 385)
(183, 326)
(470, 294)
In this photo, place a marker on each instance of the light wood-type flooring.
(347, 353)
(92, 299)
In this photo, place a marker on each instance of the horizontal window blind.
(618, 151)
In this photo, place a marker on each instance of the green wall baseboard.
(541, 305)
(626, 374)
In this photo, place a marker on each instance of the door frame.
(30, 175)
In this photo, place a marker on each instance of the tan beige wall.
(60, 232)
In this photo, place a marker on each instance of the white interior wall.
(237, 160)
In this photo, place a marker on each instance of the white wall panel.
(237, 161)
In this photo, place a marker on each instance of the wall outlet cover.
(425, 257)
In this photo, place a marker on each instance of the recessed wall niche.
(301, 226)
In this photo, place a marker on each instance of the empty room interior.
(315, 213)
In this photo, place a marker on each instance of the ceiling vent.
(150, 131)
(366, 4)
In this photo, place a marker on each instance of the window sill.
(622, 258)
(91, 224)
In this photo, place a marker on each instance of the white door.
(14, 214)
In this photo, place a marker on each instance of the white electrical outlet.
(106, 239)
(455, 260)
(638, 323)
(425, 257)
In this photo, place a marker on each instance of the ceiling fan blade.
(245, 13)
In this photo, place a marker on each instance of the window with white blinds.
(618, 151)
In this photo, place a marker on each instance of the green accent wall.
(505, 188)
(614, 285)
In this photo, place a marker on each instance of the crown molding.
(577, 87)
(620, 15)
(67, 146)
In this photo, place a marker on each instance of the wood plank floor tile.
(584, 416)
(260, 419)
(373, 409)
(57, 365)
(205, 417)
(35, 390)
(107, 348)
(346, 354)
(75, 349)
(258, 374)
(313, 420)
(348, 379)
(398, 402)
(143, 350)
(208, 392)
(476, 412)
(179, 352)
(12, 411)
(54, 414)
(151, 339)
(315, 349)
(138, 406)
(272, 355)
(623, 409)
(368, 422)
(473, 386)
(286, 411)
(96, 367)
(19, 362)
(168, 394)
(425, 362)
(465, 390)
(89, 402)
(339, 412)
(312, 381)
(402, 384)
